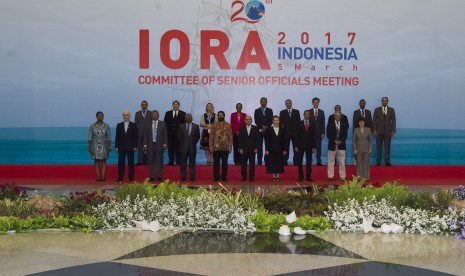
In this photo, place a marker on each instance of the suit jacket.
(331, 133)
(319, 122)
(358, 115)
(362, 142)
(306, 139)
(141, 122)
(248, 142)
(126, 140)
(384, 124)
(173, 123)
(237, 124)
(188, 143)
(290, 123)
(273, 142)
(343, 118)
(162, 136)
(263, 120)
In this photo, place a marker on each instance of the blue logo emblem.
(255, 10)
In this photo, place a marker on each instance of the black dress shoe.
(251, 179)
(244, 179)
(159, 179)
(151, 179)
(170, 164)
(182, 179)
(300, 179)
(131, 179)
(388, 164)
(319, 164)
(309, 179)
(139, 164)
(192, 179)
(378, 164)
(119, 180)
(224, 179)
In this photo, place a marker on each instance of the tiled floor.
(216, 253)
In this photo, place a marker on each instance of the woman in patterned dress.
(99, 140)
(206, 121)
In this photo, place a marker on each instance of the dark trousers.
(155, 160)
(318, 149)
(237, 155)
(383, 138)
(223, 156)
(122, 163)
(141, 156)
(173, 150)
(308, 165)
(261, 140)
(288, 141)
(250, 157)
(184, 157)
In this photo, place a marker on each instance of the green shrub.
(319, 224)
(444, 199)
(85, 223)
(133, 190)
(165, 190)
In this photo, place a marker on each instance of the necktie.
(188, 129)
(306, 125)
(143, 113)
(263, 110)
(363, 113)
(384, 110)
(154, 129)
(248, 130)
(338, 125)
(316, 113)
(289, 113)
(176, 114)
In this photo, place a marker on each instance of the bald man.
(126, 145)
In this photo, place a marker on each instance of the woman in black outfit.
(275, 149)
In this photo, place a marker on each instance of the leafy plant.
(459, 193)
(444, 199)
(17, 208)
(122, 192)
(82, 202)
(10, 191)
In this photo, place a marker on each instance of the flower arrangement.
(205, 211)
(349, 216)
(458, 227)
(459, 193)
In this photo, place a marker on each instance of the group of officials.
(150, 136)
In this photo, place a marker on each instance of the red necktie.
(306, 125)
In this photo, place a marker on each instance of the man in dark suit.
(362, 113)
(305, 145)
(248, 146)
(173, 118)
(263, 118)
(317, 117)
(155, 143)
(337, 108)
(384, 128)
(290, 120)
(189, 136)
(336, 131)
(142, 118)
(126, 145)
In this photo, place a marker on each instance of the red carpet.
(84, 174)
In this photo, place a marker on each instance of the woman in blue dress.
(99, 140)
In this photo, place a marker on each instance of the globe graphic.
(255, 9)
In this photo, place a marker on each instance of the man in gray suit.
(384, 128)
(155, 143)
(188, 136)
(142, 119)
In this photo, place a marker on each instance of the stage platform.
(63, 175)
